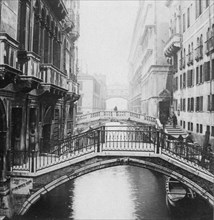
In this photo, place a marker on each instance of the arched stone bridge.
(104, 147)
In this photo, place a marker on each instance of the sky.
(106, 29)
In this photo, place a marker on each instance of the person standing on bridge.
(174, 120)
(115, 108)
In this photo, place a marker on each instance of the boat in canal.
(177, 193)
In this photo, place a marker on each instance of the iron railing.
(109, 139)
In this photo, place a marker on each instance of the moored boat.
(177, 193)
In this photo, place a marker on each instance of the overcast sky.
(105, 35)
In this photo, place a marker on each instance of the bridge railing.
(190, 152)
(105, 138)
(123, 115)
(111, 138)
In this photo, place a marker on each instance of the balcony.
(53, 80)
(210, 45)
(190, 59)
(173, 45)
(199, 53)
(73, 91)
(8, 75)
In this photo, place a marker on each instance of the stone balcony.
(173, 45)
(53, 80)
(73, 91)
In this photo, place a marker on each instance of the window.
(188, 105)
(199, 104)
(212, 103)
(184, 61)
(201, 74)
(192, 104)
(190, 78)
(188, 126)
(176, 83)
(201, 46)
(197, 128)
(213, 66)
(200, 6)
(212, 131)
(198, 10)
(181, 81)
(197, 75)
(201, 128)
(184, 22)
(184, 124)
(206, 70)
(184, 105)
(180, 122)
(191, 126)
(24, 25)
(184, 80)
(188, 17)
(208, 103)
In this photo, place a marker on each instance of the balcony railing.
(173, 45)
(9, 48)
(73, 87)
(199, 52)
(52, 76)
(210, 45)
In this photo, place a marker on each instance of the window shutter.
(205, 71)
(193, 76)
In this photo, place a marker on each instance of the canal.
(121, 192)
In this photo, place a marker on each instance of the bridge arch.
(106, 163)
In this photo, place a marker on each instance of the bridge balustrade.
(111, 138)
(119, 115)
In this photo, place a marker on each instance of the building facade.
(38, 75)
(92, 93)
(191, 50)
(149, 75)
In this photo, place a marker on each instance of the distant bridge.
(104, 147)
(115, 116)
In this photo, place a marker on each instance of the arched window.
(36, 28)
(184, 62)
(201, 46)
(208, 39)
(56, 48)
(42, 35)
(191, 56)
(46, 40)
(64, 57)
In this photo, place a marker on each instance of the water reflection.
(121, 192)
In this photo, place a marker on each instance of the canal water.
(119, 193)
